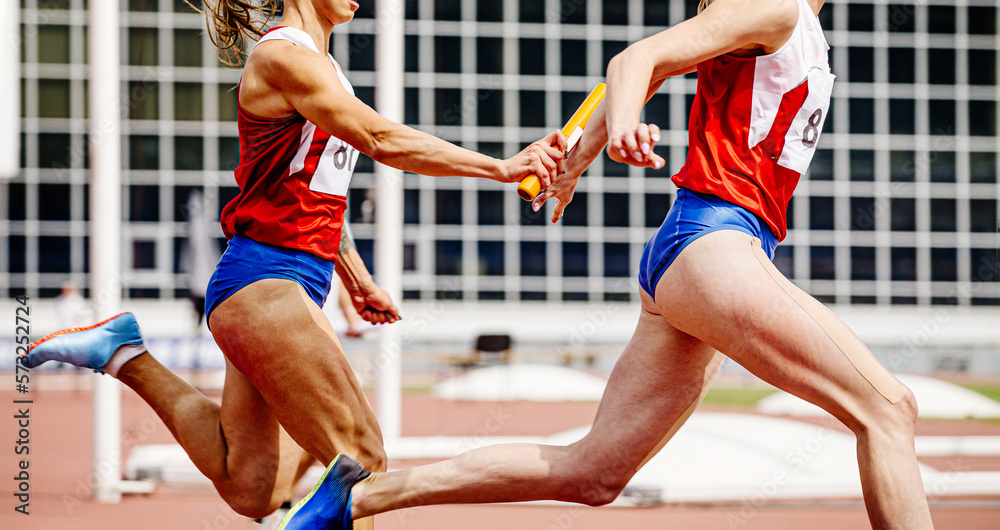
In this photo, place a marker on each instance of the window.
(821, 167)
(188, 48)
(902, 65)
(144, 203)
(54, 254)
(821, 213)
(615, 12)
(944, 265)
(983, 215)
(616, 260)
(982, 20)
(983, 67)
(490, 209)
(447, 54)
(862, 116)
(942, 116)
(940, 19)
(862, 263)
(578, 213)
(574, 259)
(489, 111)
(533, 258)
(902, 166)
(447, 9)
(489, 55)
(942, 215)
(982, 118)
(447, 257)
(942, 166)
(53, 44)
(616, 209)
(448, 209)
(53, 202)
(862, 165)
(54, 151)
(531, 10)
(53, 98)
(982, 167)
(144, 100)
(187, 101)
(144, 152)
(144, 255)
(984, 265)
(574, 57)
(942, 66)
(532, 108)
(902, 114)
(863, 213)
(142, 46)
(189, 153)
(904, 216)
(901, 18)
(491, 258)
(861, 65)
(822, 263)
(656, 207)
(904, 264)
(532, 56)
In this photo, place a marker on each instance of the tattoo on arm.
(345, 241)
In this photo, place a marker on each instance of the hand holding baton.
(573, 130)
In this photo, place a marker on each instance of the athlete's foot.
(328, 505)
(103, 347)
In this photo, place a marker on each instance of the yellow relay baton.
(573, 130)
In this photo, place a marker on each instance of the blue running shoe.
(328, 505)
(89, 347)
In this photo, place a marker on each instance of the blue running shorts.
(692, 216)
(246, 261)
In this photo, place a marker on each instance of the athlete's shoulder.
(282, 58)
(757, 21)
(783, 15)
(290, 69)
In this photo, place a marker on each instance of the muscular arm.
(722, 27)
(307, 82)
(370, 301)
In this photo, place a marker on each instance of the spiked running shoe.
(89, 347)
(328, 505)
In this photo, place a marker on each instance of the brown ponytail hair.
(702, 4)
(232, 23)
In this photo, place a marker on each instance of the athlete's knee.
(252, 502)
(892, 421)
(590, 480)
(370, 452)
(597, 489)
(905, 412)
(256, 492)
(375, 459)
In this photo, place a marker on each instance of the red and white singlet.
(756, 120)
(293, 176)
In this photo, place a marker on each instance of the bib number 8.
(811, 131)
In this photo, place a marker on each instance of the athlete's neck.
(306, 19)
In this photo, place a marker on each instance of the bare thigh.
(719, 291)
(278, 339)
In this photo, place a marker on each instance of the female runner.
(708, 287)
(288, 384)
